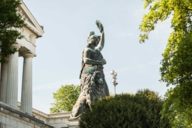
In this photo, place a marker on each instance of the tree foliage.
(141, 110)
(10, 21)
(176, 66)
(65, 97)
(178, 116)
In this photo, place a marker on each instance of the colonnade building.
(26, 47)
(13, 115)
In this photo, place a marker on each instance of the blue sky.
(67, 24)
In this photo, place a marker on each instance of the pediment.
(30, 21)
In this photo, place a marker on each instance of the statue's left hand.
(99, 25)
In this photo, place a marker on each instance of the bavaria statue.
(93, 84)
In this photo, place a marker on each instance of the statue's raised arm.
(102, 37)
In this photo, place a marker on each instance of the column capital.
(17, 46)
(28, 55)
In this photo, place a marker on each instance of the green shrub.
(141, 110)
(64, 98)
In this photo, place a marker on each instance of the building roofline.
(35, 27)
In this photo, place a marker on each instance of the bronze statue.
(93, 84)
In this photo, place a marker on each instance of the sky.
(67, 24)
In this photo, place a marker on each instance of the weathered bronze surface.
(93, 84)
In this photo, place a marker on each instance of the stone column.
(26, 95)
(12, 79)
(4, 67)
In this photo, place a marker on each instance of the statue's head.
(93, 39)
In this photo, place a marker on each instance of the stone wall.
(58, 120)
(13, 118)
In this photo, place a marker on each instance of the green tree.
(176, 66)
(65, 97)
(141, 110)
(10, 21)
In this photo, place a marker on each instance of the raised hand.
(99, 25)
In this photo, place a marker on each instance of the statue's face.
(93, 40)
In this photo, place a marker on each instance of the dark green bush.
(141, 110)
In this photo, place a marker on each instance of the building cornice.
(30, 21)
